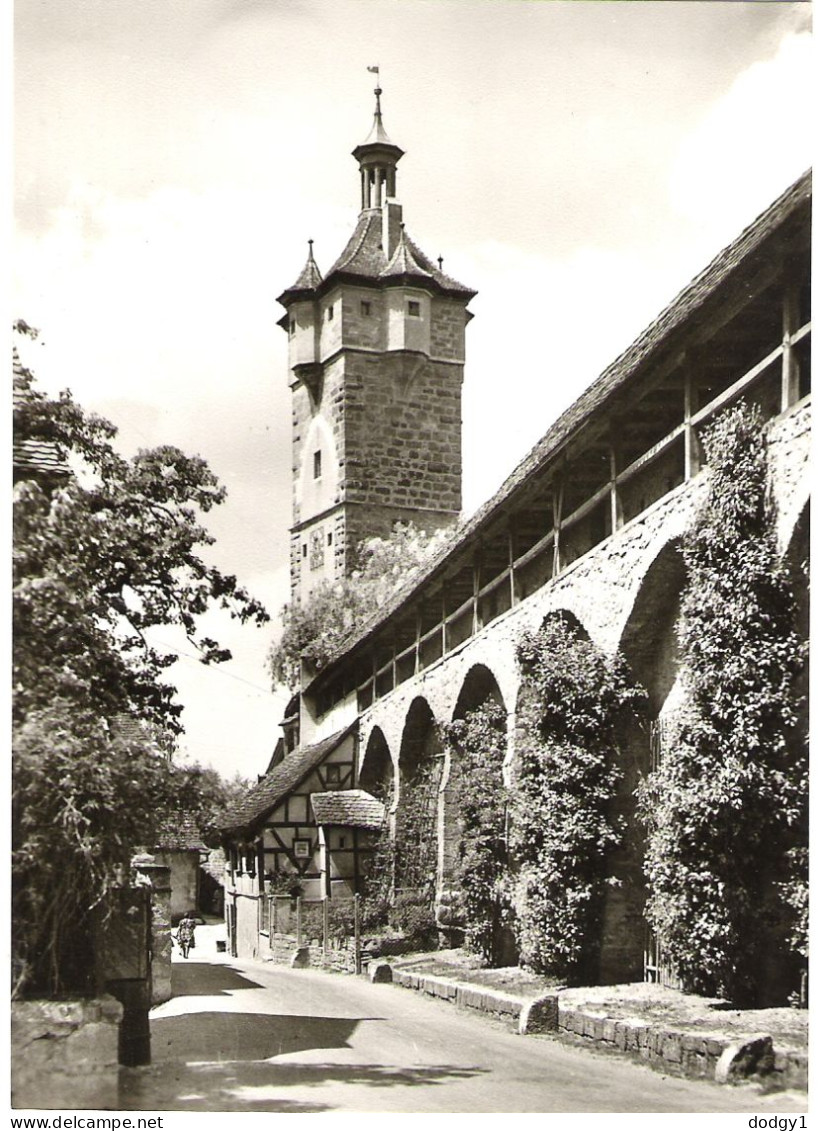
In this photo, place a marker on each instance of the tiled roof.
(30, 456)
(363, 254)
(180, 833)
(283, 779)
(351, 808)
(363, 257)
(309, 279)
(403, 262)
(683, 308)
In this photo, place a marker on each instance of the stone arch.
(648, 640)
(377, 769)
(479, 685)
(572, 621)
(416, 819)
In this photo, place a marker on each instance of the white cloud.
(544, 329)
(751, 145)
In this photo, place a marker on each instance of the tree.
(203, 794)
(105, 558)
(313, 631)
(100, 558)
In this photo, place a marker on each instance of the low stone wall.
(467, 997)
(341, 958)
(683, 1054)
(689, 1054)
(64, 1054)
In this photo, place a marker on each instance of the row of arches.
(418, 765)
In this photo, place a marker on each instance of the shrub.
(479, 740)
(312, 631)
(729, 798)
(573, 701)
(412, 914)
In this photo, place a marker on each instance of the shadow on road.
(258, 1085)
(200, 979)
(244, 1036)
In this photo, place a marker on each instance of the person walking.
(186, 932)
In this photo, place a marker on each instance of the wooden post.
(790, 375)
(476, 593)
(444, 633)
(325, 926)
(616, 505)
(356, 911)
(511, 547)
(557, 497)
(692, 450)
(298, 921)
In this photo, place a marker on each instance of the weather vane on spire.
(376, 70)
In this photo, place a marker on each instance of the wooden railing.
(679, 447)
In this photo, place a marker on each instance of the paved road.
(246, 1036)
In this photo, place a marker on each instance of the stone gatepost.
(65, 1054)
(158, 877)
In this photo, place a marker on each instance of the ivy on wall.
(573, 702)
(726, 809)
(479, 742)
(416, 830)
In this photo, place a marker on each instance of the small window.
(292, 326)
(366, 308)
(329, 538)
(330, 313)
(302, 849)
(414, 309)
(333, 774)
(316, 465)
(342, 842)
(304, 550)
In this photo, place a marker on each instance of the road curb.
(687, 1053)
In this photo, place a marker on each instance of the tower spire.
(377, 158)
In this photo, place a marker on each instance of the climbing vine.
(562, 828)
(479, 741)
(399, 880)
(726, 809)
(416, 830)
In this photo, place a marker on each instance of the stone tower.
(376, 355)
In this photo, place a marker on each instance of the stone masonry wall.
(403, 426)
(64, 1054)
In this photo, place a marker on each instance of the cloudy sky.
(575, 162)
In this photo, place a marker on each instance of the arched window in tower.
(316, 464)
